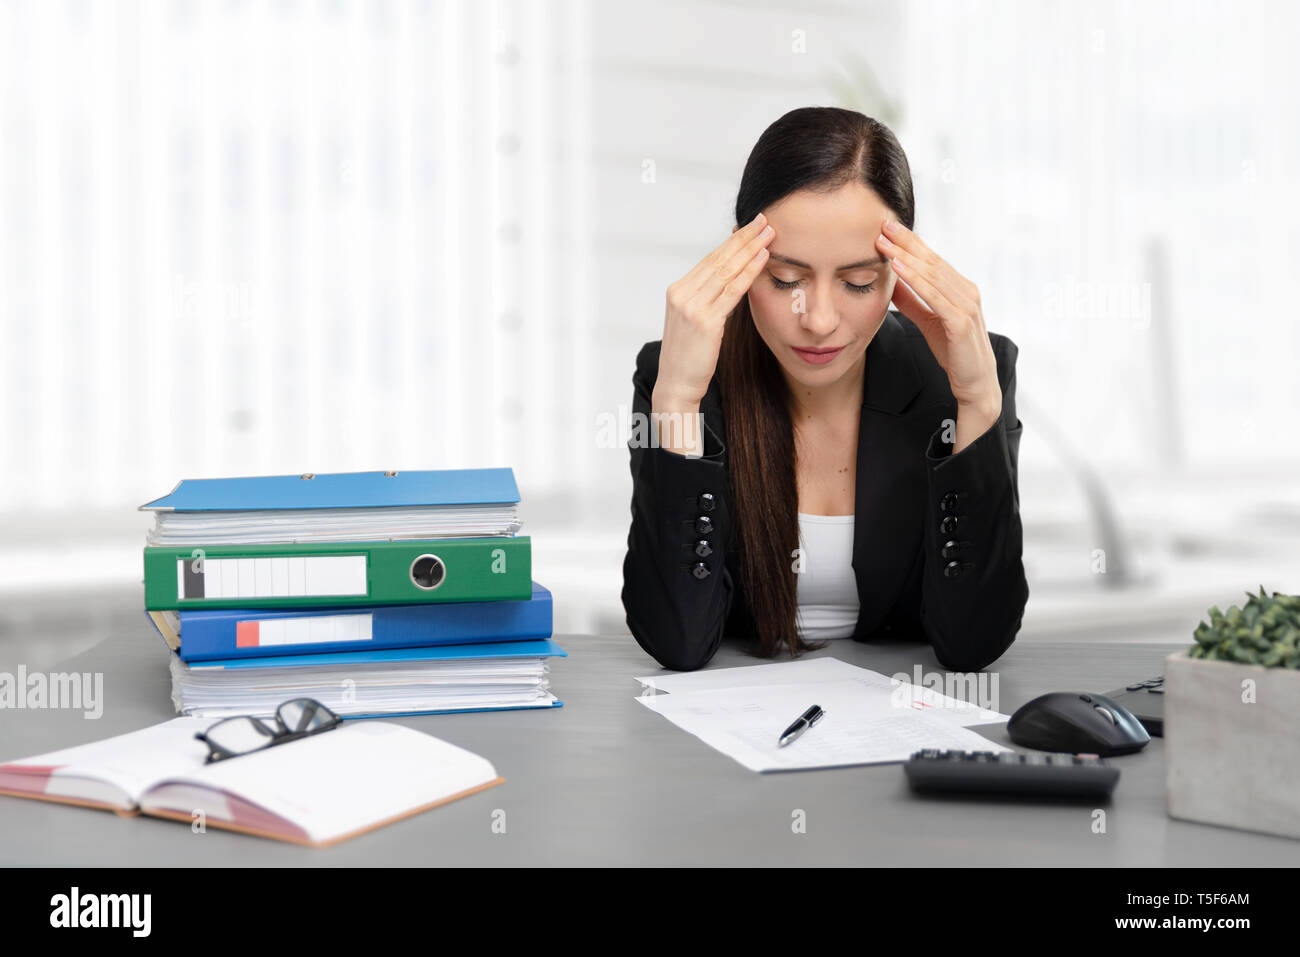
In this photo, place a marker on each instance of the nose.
(819, 317)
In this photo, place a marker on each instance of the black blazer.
(937, 537)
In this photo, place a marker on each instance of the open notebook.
(316, 791)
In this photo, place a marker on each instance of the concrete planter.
(1229, 762)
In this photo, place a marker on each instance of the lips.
(817, 357)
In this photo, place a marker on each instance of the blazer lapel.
(890, 488)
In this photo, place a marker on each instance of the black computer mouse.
(1078, 723)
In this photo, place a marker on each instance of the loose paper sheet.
(870, 718)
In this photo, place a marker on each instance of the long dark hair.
(819, 148)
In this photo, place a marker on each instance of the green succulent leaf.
(1264, 631)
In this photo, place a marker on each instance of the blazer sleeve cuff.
(688, 488)
(982, 469)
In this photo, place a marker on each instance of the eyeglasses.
(231, 737)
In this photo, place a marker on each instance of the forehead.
(819, 227)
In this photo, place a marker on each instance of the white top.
(827, 589)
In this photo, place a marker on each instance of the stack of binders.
(376, 593)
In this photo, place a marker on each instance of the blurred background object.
(276, 237)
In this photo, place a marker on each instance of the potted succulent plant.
(1232, 719)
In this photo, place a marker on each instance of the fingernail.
(885, 239)
(767, 231)
(758, 218)
(890, 225)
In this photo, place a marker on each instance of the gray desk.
(604, 781)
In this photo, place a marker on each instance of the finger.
(706, 267)
(925, 270)
(940, 270)
(921, 283)
(737, 263)
(910, 305)
(739, 284)
(940, 276)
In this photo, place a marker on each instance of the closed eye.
(852, 287)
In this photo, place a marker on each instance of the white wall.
(244, 238)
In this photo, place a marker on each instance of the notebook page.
(128, 763)
(339, 781)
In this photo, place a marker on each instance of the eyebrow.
(861, 264)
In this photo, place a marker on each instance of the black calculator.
(1037, 774)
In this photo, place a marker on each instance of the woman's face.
(826, 288)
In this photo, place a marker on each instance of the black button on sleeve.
(954, 549)
(700, 571)
(704, 525)
(707, 502)
(703, 548)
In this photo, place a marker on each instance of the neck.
(835, 400)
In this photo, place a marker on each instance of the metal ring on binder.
(430, 573)
(308, 475)
(390, 474)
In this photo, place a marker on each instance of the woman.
(855, 474)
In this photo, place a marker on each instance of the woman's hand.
(953, 326)
(697, 310)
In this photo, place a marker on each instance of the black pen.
(801, 724)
